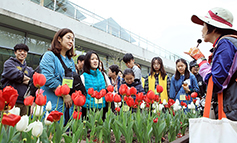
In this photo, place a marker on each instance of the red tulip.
(130, 102)
(155, 120)
(90, 91)
(179, 135)
(75, 94)
(173, 113)
(10, 119)
(110, 88)
(128, 92)
(79, 100)
(194, 100)
(75, 115)
(157, 98)
(194, 95)
(10, 96)
(133, 91)
(117, 98)
(123, 89)
(54, 116)
(65, 90)
(159, 88)
(58, 91)
(97, 96)
(151, 95)
(2, 102)
(39, 80)
(95, 93)
(109, 97)
(28, 101)
(183, 104)
(170, 102)
(139, 96)
(188, 97)
(40, 99)
(102, 92)
(117, 109)
(125, 98)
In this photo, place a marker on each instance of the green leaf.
(44, 137)
(67, 138)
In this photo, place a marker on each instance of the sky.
(167, 23)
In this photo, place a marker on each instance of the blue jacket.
(13, 75)
(176, 88)
(53, 70)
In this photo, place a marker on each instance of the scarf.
(163, 83)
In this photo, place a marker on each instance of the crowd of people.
(188, 78)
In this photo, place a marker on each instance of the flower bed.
(149, 121)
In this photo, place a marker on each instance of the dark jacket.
(201, 84)
(13, 74)
(137, 84)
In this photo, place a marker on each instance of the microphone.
(199, 41)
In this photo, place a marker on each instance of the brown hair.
(56, 46)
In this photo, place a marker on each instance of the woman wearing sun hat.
(222, 64)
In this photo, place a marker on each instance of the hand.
(67, 100)
(185, 87)
(195, 53)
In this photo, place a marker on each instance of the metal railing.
(107, 25)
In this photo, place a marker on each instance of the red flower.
(39, 80)
(194, 101)
(90, 91)
(117, 109)
(58, 91)
(75, 115)
(109, 97)
(10, 119)
(130, 102)
(28, 101)
(139, 96)
(10, 96)
(102, 92)
(97, 95)
(159, 88)
(155, 120)
(173, 113)
(123, 89)
(151, 95)
(2, 102)
(117, 98)
(125, 98)
(179, 135)
(65, 90)
(110, 88)
(54, 116)
(78, 98)
(170, 102)
(194, 95)
(40, 99)
(94, 94)
(133, 91)
(183, 104)
(157, 98)
(188, 97)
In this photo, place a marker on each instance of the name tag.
(125, 108)
(68, 81)
(99, 101)
(182, 97)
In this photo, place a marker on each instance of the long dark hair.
(87, 65)
(56, 46)
(186, 72)
(162, 69)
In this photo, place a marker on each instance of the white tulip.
(23, 123)
(164, 102)
(143, 105)
(49, 106)
(191, 106)
(37, 129)
(117, 104)
(15, 110)
(161, 106)
(39, 110)
(176, 107)
(47, 122)
(197, 103)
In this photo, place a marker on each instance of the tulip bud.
(23, 123)
(15, 110)
(191, 106)
(49, 106)
(47, 122)
(39, 110)
(37, 129)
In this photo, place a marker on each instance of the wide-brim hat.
(217, 17)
